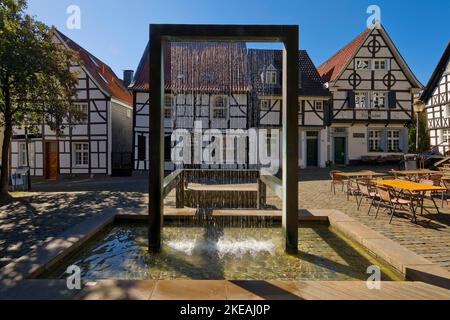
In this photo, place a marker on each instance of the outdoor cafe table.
(412, 189)
(358, 174)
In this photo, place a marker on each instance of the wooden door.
(312, 152)
(339, 150)
(51, 160)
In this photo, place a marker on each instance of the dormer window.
(168, 106)
(271, 75)
(219, 110)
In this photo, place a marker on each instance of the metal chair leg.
(370, 207)
(392, 213)
(378, 209)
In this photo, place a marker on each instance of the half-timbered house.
(373, 90)
(205, 84)
(436, 96)
(266, 97)
(88, 146)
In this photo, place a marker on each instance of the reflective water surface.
(213, 252)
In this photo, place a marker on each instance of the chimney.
(127, 77)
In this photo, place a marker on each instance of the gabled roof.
(200, 66)
(437, 75)
(101, 72)
(331, 69)
(310, 83)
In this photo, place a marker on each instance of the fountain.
(288, 35)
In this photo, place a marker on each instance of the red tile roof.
(219, 67)
(332, 68)
(101, 72)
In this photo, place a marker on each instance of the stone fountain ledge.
(17, 279)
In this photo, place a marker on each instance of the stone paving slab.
(224, 290)
(47, 255)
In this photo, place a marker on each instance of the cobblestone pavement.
(32, 219)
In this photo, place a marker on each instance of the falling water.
(218, 84)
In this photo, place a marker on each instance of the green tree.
(424, 140)
(36, 84)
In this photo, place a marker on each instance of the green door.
(339, 150)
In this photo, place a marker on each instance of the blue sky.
(117, 31)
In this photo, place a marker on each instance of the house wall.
(94, 132)
(357, 141)
(122, 127)
(438, 113)
(187, 110)
(397, 111)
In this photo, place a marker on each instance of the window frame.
(391, 140)
(85, 106)
(262, 101)
(366, 99)
(168, 109)
(22, 154)
(372, 102)
(379, 61)
(375, 138)
(223, 108)
(82, 151)
(358, 61)
(321, 105)
(445, 135)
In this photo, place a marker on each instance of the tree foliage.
(36, 84)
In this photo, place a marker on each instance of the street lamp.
(418, 107)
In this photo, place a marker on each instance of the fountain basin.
(215, 252)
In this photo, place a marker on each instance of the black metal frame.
(288, 35)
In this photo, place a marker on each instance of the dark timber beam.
(156, 134)
(290, 142)
(288, 35)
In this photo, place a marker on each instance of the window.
(271, 75)
(362, 64)
(370, 99)
(81, 154)
(168, 106)
(361, 100)
(447, 111)
(393, 140)
(83, 110)
(378, 100)
(22, 154)
(380, 65)
(374, 140)
(220, 108)
(446, 136)
(265, 104)
(318, 105)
